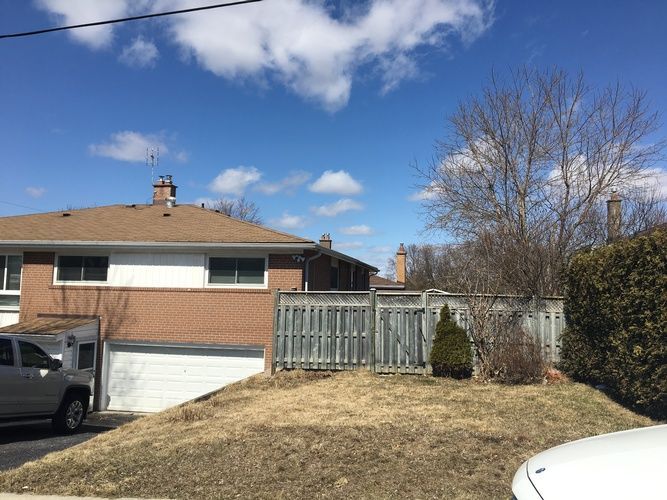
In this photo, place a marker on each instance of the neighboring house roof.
(46, 326)
(381, 283)
(180, 226)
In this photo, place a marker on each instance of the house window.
(10, 280)
(333, 275)
(86, 356)
(236, 271)
(82, 268)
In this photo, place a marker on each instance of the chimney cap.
(401, 249)
(614, 196)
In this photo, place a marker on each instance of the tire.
(71, 413)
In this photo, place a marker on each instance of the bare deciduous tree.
(240, 208)
(529, 164)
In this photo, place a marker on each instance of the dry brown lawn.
(357, 435)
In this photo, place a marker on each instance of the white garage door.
(151, 378)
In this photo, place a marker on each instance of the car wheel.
(70, 415)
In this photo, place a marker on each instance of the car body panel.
(28, 391)
(627, 464)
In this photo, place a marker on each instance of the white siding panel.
(170, 270)
(8, 318)
(152, 378)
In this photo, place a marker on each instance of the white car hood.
(628, 464)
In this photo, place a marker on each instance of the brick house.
(183, 294)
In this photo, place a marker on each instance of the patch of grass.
(318, 435)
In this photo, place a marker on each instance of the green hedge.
(616, 314)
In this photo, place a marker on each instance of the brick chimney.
(325, 240)
(401, 264)
(613, 217)
(164, 191)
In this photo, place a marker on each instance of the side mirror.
(56, 364)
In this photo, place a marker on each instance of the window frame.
(12, 352)
(56, 267)
(5, 279)
(76, 357)
(38, 348)
(207, 273)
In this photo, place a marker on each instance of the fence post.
(274, 347)
(425, 350)
(371, 333)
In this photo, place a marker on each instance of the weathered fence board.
(388, 332)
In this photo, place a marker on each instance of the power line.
(20, 206)
(124, 19)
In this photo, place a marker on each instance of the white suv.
(34, 385)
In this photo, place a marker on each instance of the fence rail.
(388, 332)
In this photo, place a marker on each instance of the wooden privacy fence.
(388, 332)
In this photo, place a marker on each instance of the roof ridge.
(63, 210)
(260, 226)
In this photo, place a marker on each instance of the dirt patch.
(318, 435)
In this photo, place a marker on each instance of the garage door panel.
(151, 378)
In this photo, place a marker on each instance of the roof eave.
(53, 244)
(342, 256)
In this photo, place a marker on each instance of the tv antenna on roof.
(152, 160)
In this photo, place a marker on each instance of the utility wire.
(124, 19)
(20, 206)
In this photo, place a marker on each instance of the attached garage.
(150, 378)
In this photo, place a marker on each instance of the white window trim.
(3, 291)
(258, 286)
(56, 281)
(76, 355)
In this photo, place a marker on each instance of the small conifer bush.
(451, 355)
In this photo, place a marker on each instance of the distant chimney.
(613, 217)
(164, 191)
(401, 264)
(325, 240)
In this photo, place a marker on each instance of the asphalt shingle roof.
(45, 326)
(139, 223)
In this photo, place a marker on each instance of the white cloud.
(207, 202)
(128, 145)
(316, 55)
(298, 43)
(655, 179)
(289, 221)
(182, 157)
(84, 11)
(288, 185)
(339, 182)
(35, 192)
(422, 195)
(348, 245)
(139, 54)
(338, 207)
(381, 249)
(361, 230)
(235, 181)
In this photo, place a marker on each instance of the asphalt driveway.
(23, 442)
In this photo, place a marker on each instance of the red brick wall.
(176, 315)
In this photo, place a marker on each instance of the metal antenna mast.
(152, 160)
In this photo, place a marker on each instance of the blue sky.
(313, 110)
